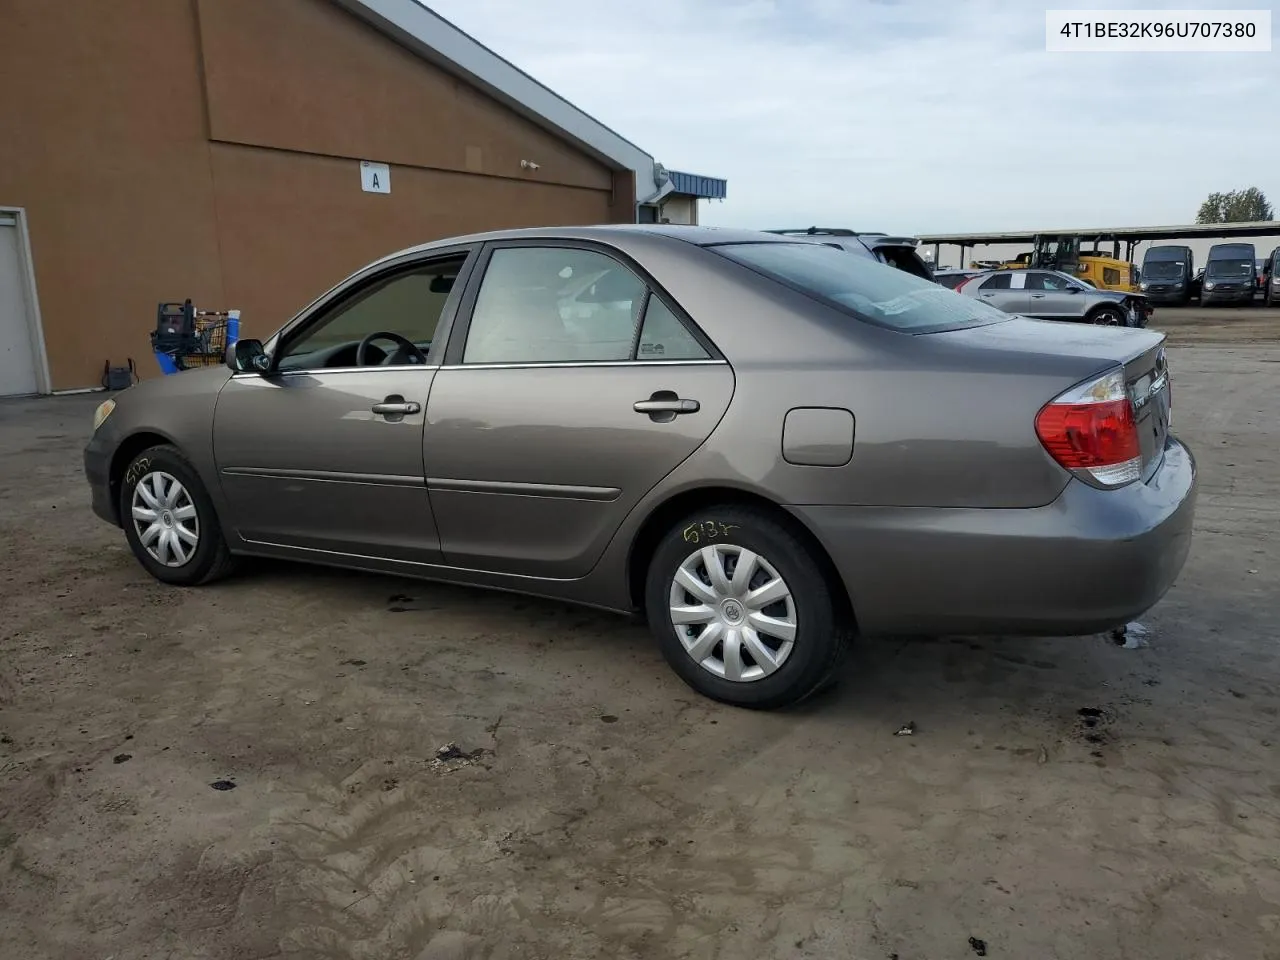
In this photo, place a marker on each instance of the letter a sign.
(375, 177)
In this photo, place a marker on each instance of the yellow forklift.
(1062, 252)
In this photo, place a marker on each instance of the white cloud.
(904, 115)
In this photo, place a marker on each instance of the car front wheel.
(742, 609)
(169, 519)
(1108, 317)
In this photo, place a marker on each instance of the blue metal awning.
(692, 185)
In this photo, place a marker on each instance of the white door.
(17, 358)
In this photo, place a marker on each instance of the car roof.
(615, 234)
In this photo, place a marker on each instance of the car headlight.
(1208, 285)
(1143, 285)
(103, 411)
(1179, 285)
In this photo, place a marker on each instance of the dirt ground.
(246, 771)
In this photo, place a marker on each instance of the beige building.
(249, 154)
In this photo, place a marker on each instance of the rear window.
(874, 292)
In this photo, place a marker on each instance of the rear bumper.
(1090, 561)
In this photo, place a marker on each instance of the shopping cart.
(185, 337)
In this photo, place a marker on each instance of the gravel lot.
(1059, 798)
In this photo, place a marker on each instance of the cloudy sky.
(917, 116)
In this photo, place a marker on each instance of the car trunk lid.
(1068, 353)
(1147, 377)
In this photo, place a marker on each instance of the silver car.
(1053, 295)
(765, 444)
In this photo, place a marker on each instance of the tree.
(1235, 206)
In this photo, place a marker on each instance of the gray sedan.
(766, 445)
(1053, 295)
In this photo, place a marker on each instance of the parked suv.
(898, 252)
(1054, 295)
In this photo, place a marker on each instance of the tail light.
(1093, 432)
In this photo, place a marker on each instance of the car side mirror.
(248, 356)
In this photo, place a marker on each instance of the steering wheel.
(406, 350)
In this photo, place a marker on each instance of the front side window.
(407, 304)
(1051, 281)
(554, 305)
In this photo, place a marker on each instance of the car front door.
(571, 386)
(1053, 297)
(324, 452)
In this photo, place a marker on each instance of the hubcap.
(733, 612)
(164, 517)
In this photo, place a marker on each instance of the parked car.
(953, 278)
(782, 447)
(897, 252)
(1053, 295)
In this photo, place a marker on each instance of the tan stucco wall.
(166, 149)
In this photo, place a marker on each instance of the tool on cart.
(185, 337)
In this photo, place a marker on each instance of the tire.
(1109, 317)
(818, 641)
(190, 510)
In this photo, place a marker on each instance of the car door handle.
(396, 408)
(675, 406)
(1037, 296)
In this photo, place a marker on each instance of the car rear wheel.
(742, 609)
(169, 519)
(1108, 317)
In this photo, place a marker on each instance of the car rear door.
(1003, 290)
(572, 385)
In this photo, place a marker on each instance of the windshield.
(878, 294)
(1162, 269)
(1230, 268)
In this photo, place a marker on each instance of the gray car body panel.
(539, 478)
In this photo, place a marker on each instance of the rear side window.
(664, 337)
(878, 294)
(554, 305)
(999, 281)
